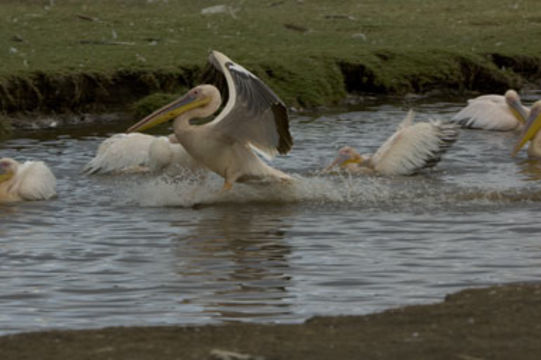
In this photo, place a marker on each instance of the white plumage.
(31, 180)
(136, 152)
(493, 112)
(413, 147)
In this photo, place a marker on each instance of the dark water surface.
(134, 250)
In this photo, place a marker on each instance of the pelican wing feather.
(414, 147)
(254, 114)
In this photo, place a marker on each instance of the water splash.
(415, 193)
(192, 191)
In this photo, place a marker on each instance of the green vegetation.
(5, 126)
(78, 54)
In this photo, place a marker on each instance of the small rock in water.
(218, 354)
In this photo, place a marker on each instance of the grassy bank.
(494, 323)
(93, 55)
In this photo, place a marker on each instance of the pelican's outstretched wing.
(489, 112)
(254, 114)
(414, 147)
(35, 181)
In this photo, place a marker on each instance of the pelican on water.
(493, 112)
(531, 132)
(136, 152)
(411, 148)
(31, 180)
(254, 118)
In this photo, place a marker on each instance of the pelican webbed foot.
(227, 186)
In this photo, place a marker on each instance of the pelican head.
(513, 101)
(201, 101)
(8, 168)
(347, 155)
(533, 124)
(512, 96)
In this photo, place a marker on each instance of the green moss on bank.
(86, 55)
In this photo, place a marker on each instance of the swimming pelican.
(254, 118)
(136, 152)
(31, 180)
(531, 132)
(411, 148)
(493, 112)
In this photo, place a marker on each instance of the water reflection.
(244, 252)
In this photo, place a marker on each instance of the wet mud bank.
(501, 322)
(128, 91)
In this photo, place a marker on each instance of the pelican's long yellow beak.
(514, 106)
(342, 160)
(533, 124)
(169, 111)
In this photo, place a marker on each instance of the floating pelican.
(531, 132)
(493, 112)
(31, 180)
(254, 118)
(131, 153)
(411, 148)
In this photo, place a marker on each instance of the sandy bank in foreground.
(502, 322)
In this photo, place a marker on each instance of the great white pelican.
(414, 146)
(31, 180)
(136, 152)
(254, 118)
(493, 112)
(531, 133)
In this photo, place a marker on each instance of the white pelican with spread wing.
(493, 112)
(31, 180)
(136, 152)
(531, 133)
(254, 118)
(413, 147)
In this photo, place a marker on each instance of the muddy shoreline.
(499, 322)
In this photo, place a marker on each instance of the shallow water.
(137, 250)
